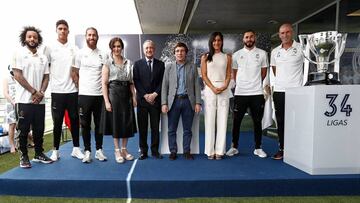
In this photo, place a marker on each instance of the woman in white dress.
(216, 73)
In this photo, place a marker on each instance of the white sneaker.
(87, 157)
(76, 153)
(260, 153)
(55, 155)
(232, 151)
(99, 155)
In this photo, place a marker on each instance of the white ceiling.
(160, 16)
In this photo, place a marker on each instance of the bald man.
(287, 64)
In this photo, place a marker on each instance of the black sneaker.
(279, 155)
(24, 161)
(42, 158)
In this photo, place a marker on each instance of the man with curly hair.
(31, 71)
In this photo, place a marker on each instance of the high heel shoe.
(118, 158)
(126, 154)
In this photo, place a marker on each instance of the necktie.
(150, 69)
(149, 65)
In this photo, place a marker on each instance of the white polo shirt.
(289, 66)
(90, 62)
(249, 64)
(33, 67)
(61, 57)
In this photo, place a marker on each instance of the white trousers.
(216, 114)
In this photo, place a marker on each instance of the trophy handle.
(306, 47)
(341, 42)
(340, 47)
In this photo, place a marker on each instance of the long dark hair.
(211, 48)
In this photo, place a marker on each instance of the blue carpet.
(242, 175)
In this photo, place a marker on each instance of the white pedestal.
(194, 147)
(318, 143)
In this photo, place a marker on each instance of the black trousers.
(279, 102)
(90, 106)
(143, 112)
(256, 105)
(30, 115)
(59, 103)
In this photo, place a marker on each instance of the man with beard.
(249, 67)
(64, 91)
(31, 71)
(87, 66)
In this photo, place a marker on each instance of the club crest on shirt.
(278, 54)
(41, 61)
(294, 51)
(257, 56)
(72, 52)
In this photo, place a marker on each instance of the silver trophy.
(322, 46)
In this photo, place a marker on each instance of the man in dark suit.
(148, 74)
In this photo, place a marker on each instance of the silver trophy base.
(325, 78)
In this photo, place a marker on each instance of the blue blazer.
(145, 82)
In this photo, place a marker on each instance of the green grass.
(9, 161)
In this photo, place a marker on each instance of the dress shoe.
(156, 155)
(188, 156)
(279, 155)
(172, 156)
(143, 156)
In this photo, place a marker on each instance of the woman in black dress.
(118, 118)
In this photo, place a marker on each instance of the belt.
(181, 96)
(121, 83)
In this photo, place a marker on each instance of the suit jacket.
(170, 84)
(144, 83)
